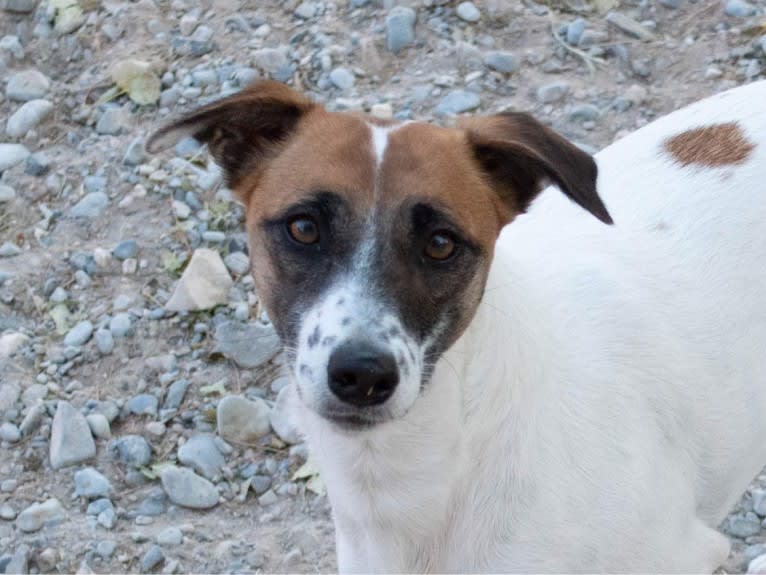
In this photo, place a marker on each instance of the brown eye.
(304, 230)
(440, 246)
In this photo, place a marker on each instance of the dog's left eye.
(440, 247)
(303, 229)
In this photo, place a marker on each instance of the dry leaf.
(138, 80)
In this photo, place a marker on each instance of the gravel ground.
(141, 426)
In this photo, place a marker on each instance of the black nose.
(362, 375)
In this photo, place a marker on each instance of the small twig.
(590, 61)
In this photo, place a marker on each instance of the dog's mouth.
(354, 420)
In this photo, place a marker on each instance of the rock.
(27, 117)
(552, 92)
(400, 28)
(204, 284)
(107, 518)
(268, 498)
(672, 4)
(105, 549)
(584, 113)
(201, 453)
(21, 6)
(135, 154)
(342, 78)
(468, 12)
(125, 249)
(120, 325)
(110, 122)
(37, 164)
(90, 206)
(176, 393)
(9, 250)
(757, 566)
(12, 155)
(104, 341)
(743, 525)
(575, 31)
(99, 425)
(18, 562)
(10, 343)
(79, 334)
(7, 193)
(247, 344)
(306, 10)
(281, 417)
(241, 420)
(91, 484)
(500, 61)
(630, 26)
(71, 442)
(187, 489)
(144, 404)
(9, 395)
(170, 537)
(237, 263)
(457, 102)
(132, 450)
(271, 59)
(759, 502)
(34, 517)
(11, 45)
(7, 512)
(9, 432)
(153, 504)
(739, 9)
(33, 419)
(27, 85)
(152, 558)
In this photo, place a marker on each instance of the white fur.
(379, 142)
(607, 405)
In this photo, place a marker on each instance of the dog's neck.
(394, 486)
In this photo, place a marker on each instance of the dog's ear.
(520, 156)
(242, 131)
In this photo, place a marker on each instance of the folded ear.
(520, 156)
(241, 131)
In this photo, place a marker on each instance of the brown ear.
(520, 156)
(242, 130)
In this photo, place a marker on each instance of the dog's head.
(371, 242)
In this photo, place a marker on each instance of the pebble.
(27, 85)
(144, 404)
(672, 4)
(33, 419)
(152, 558)
(575, 31)
(125, 249)
(501, 61)
(135, 154)
(131, 450)
(306, 10)
(204, 284)
(79, 334)
(201, 453)
(759, 502)
(249, 345)
(99, 424)
(11, 45)
(12, 155)
(342, 78)
(21, 6)
(7, 512)
(630, 26)
(110, 122)
(91, 484)
(120, 325)
(457, 102)
(105, 549)
(153, 504)
(176, 393)
(468, 12)
(400, 28)
(743, 525)
(584, 113)
(242, 420)
(19, 561)
(281, 417)
(237, 263)
(37, 164)
(8, 485)
(71, 441)
(107, 518)
(187, 489)
(739, 9)
(268, 498)
(7, 194)
(552, 92)
(104, 341)
(34, 517)
(9, 432)
(9, 250)
(27, 117)
(170, 537)
(90, 206)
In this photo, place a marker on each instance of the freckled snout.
(361, 374)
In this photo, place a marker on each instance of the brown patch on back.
(711, 146)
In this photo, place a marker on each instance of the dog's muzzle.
(362, 375)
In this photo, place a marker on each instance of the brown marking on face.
(711, 146)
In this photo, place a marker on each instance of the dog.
(508, 355)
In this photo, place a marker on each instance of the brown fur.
(711, 146)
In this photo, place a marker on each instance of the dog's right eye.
(304, 230)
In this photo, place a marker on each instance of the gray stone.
(500, 61)
(241, 420)
(79, 334)
(342, 78)
(176, 393)
(11, 45)
(468, 12)
(552, 92)
(630, 26)
(187, 147)
(8, 485)
(9, 432)
(98, 423)
(34, 517)
(37, 164)
(400, 28)
(104, 341)
(170, 537)
(237, 263)
(135, 154)
(110, 122)
(120, 325)
(33, 419)
(204, 77)
(105, 549)
(91, 484)
(281, 417)
(90, 206)
(170, 97)
(759, 502)
(9, 250)
(743, 525)
(7, 512)
(457, 102)
(153, 504)
(260, 484)
(271, 59)
(144, 404)
(125, 249)
(575, 31)
(672, 4)
(27, 85)
(132, 450)
(12, 155)
(204, 284)
(249, 345)
(7, 193)
(107, 518)
(27, 117)
(739, 9)
(19, 561)
(584, 113)
(152, 558)
(268, 498)
(201, 453)
(307, 10)
(93, 183)
(187, 489)
(71, 441)
(21, 6)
